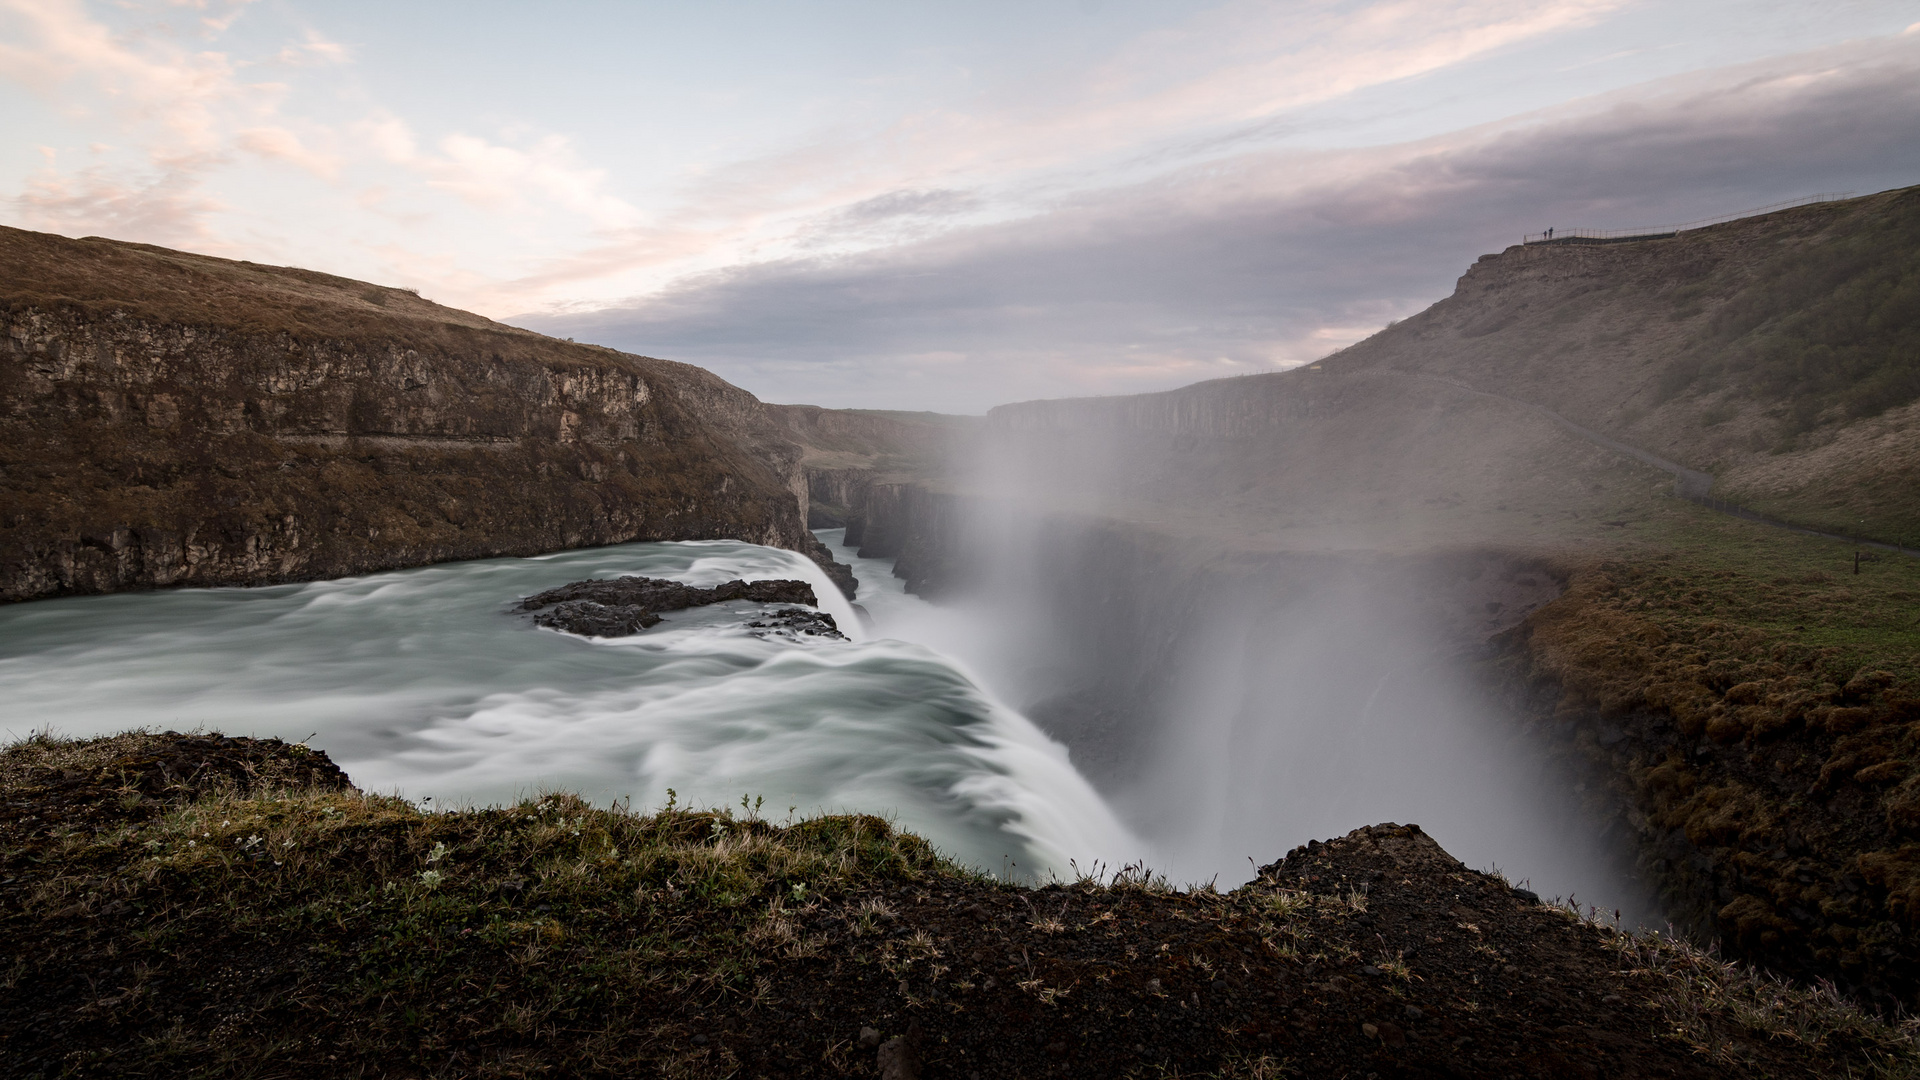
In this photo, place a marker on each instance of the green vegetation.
(1755, 705)
(1832, 333)
(1694, 571)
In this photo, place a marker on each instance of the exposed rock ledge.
(622, 606)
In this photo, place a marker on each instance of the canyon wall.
(171, 419)
(1733, 709)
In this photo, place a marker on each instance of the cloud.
(1221, 79)
(897, 204)
(51, 43)
(163, 210)
(1268, 259)
(314, 50)
(279, 144)
(502, 179)
(191, 119)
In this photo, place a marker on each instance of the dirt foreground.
(198, 905)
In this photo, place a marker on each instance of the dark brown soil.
(1376, 954)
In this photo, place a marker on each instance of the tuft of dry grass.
(1701, 995)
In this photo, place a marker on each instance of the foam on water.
(425, 683)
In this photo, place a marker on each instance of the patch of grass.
(547, 919)
(1751, 598)
(1702, 996)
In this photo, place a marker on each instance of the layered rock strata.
(173, 419)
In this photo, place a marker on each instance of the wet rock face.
(169, 419)
(663, 594)
(620, 607)
(798, 622)
(590, 619)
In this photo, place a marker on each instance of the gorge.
(1174, 634)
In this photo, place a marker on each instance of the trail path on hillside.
(1690, 484)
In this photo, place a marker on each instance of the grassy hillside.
(1826, 332)
(1780, 353)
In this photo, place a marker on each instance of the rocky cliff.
(174, 419)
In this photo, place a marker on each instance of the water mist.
(1233, 698)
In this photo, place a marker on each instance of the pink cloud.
(167, 210)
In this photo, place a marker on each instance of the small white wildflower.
(439, 852)
(431, 878)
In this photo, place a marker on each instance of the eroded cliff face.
(170, 419)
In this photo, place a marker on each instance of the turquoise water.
(424, 682)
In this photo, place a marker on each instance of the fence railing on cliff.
(1655, 232)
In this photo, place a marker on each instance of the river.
(427, 684)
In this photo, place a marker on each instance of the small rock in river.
(619, 607)
(590, 619)
(795, 621)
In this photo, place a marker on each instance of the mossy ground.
(1754, 703)
(201, 906)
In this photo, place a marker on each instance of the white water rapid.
(423, 682)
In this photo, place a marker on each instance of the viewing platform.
(1660, 232)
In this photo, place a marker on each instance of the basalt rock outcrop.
(174, 419)
(620, 607)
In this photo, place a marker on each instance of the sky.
(944, 206)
